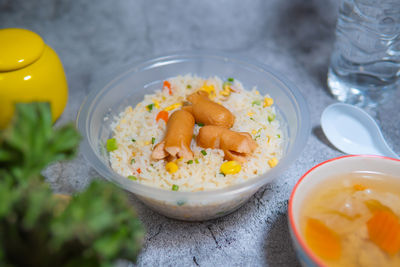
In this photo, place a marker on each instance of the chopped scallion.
(251, 118)
(188, 86)
(271, 118)
(133, 161)
(200, 124)
(131, 177)
(175, 187)
(196, 160)
(189, 162)
(203, 152)
(278, 135)
(222, 174)
(133, 140)
(153, 140)
(111, 144)
(230, 79)
(256, 102)
(149, 107)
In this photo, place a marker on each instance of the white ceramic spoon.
(354, 131)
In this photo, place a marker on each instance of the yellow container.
(30, 71)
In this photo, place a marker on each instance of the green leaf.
(94, 228)
(30, 143)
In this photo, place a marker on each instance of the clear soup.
(353, 220)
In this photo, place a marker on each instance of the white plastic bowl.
(130, 86)
(317, 175)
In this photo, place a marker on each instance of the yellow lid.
(19, 48)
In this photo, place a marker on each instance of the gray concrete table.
(293, 36)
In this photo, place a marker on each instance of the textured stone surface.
(294, 37)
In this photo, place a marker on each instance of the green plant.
(38, 228)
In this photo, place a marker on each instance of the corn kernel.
(208, 88)
(133, 154)
(156, 103)
(147, 143)
(268, 102)
(273, 162)
(254, 132)
(173, 106)
(225, 93)
(250, 114)
(230, 167)
(171, 167)
(256, 92)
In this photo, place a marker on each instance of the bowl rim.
(295, 230)
(291, 90)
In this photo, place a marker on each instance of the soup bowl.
(313, 179)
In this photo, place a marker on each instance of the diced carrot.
(359, 187)
(163, 115)
(168, 85)
(139, 170)
(384, 231)
(322, 240)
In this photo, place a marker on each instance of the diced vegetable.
(111, 144)
(230, 167)
(273, 162)
(271, 117)
(189, 162)
(156, 104)
(226, 86)
(167, 84)
(384, 231)
(163, 115)
(268, 102)
(173, 106)
(138, 170)
(171, 167)
(200, 124)
(196, 160)
(153, 140)
(203, 152)
(188, 86)
(132, 177)
(175, 187)
(133, 140)
(231, 80)
(133, 161)
(323, 240)
(150, 107)
(256, 102)
(210, 89)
